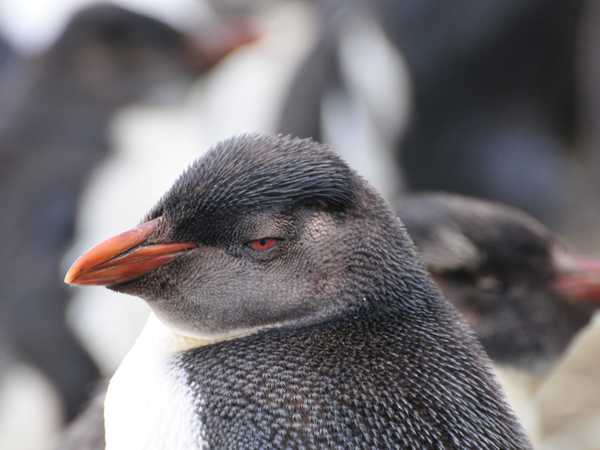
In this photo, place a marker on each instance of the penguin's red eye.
(264, 244)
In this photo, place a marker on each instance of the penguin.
(289, 310)
(56, 113)
(514, 281)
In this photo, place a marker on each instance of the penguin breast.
(147, 406)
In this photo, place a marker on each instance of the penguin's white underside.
(145, 407)
(148, 405)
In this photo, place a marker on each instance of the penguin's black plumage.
(299, 315)
(510, 277)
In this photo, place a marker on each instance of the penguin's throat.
(172, 339)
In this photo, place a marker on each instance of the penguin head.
(512, 279)
(262, 231)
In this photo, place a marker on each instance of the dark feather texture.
(255, 172)
(385, 379)
(355, 349)
(497, 265)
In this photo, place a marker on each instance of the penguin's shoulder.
(358, 384)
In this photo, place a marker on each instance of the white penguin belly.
(147, 406)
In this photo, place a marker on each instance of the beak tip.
(122, 258)
(71, 277)
(81, 268)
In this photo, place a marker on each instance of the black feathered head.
(260, 232)
(254, 173)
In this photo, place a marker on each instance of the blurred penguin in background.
(492, 102)
(525, 294)
(54, 131)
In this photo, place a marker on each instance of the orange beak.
(579, 280)
(124, 257)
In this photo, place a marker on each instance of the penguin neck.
(159, 340)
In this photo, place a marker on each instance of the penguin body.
(294, 313)
(335, 385)
(525, 295)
